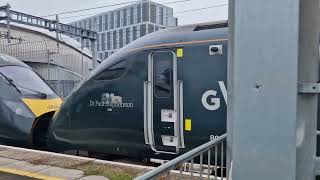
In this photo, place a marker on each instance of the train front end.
(27, 104)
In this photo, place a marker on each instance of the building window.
(106, 23)
(112, 21)
(106, 55)
(127, 35)
(103, 42)
(150, 28)
(157, 28)
(161, 15)
(145, 12)
(108, 40)
(118, 19)
(85, 24)
(143, 30)
(95, 24)
(134, 33)
(153, 12)
(90, 24)
(131, 16)
(120, 38)
(100, 23)
(139, 13)
(115, 40)
(98, 42)
(124, 17)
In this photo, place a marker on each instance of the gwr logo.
(214, 102)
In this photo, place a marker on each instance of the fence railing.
(207, 161)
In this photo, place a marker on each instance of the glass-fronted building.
(119, 27)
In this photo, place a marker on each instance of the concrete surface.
(26, 164)
(62, 173)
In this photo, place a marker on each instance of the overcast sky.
(45, 7)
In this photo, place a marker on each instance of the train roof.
(6, 60)
(181, 34)
(170, 36)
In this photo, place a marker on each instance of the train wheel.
(40, 131)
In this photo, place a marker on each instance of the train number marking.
(213, 137)
(214, 102)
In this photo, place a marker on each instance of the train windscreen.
(27, 82)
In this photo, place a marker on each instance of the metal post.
(94, 53)
(58, 51)
(266, 117)
(230, 89)
(48, 63)
(8, 23)
(82, 70)
(57, 31)
(307, 103)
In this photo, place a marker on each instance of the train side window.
(114, 72)
(163, 76)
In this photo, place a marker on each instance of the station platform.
(25, 164)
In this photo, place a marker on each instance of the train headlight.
(19, 108)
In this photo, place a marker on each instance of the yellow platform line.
(28, 174)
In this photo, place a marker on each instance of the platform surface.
(26, 164)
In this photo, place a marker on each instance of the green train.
(162, 95)
(27, 104)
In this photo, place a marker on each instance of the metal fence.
(63, 87)
(62, 63)
(207, 161)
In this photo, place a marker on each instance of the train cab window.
(27, 82)
(163, 77)
(114, 72)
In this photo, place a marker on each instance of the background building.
(63, 65)
(119, 27)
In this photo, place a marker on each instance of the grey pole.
(8, 23)
(58, 51)
(94, 53)
(57, 30)
(308, 68)
(267, 118)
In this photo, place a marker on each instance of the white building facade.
(119, 27)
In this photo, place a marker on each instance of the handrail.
(155, 173)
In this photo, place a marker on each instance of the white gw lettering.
(214, 102)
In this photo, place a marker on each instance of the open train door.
(163, 105)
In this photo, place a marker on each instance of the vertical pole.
(8, 23)
(48, 63)
(263, 74)
(58, 51)
(82, 70)
(307, 103)
(230, 81)
(94, 53)
(57, 30)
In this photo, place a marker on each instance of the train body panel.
(160, 96)
(27, 104)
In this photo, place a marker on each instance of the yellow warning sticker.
(187, 125)
(180, 53)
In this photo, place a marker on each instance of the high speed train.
(160, 96)
(27, 104)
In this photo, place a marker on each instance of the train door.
(163, 103)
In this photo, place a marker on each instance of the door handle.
(180, 114)
(146, 110)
